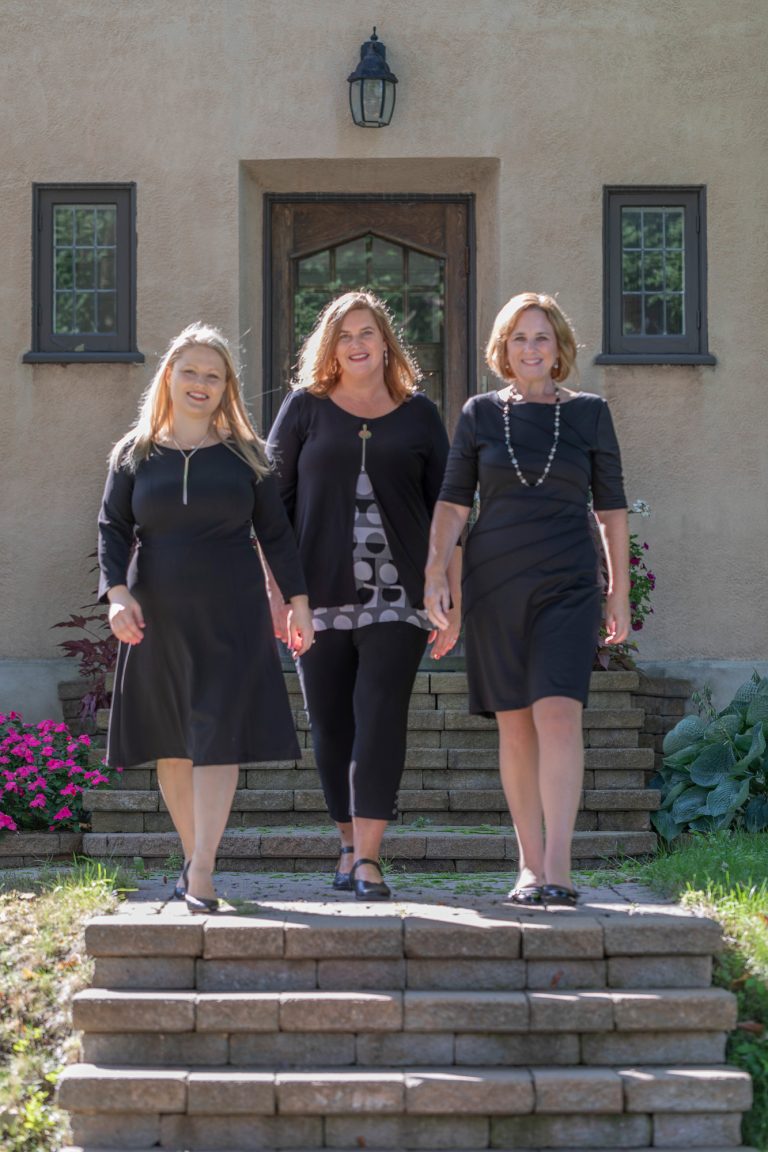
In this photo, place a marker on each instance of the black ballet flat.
(199, 905)
(180, 890)
(368, 889)
(528, 896)
(557, 895)
(342, 881)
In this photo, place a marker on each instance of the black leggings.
(357, 685)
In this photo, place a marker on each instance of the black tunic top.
(316, 448)
(205, 682)
(531, 596)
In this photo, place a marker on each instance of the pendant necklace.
(187, 453)
(364, 435)
(510, 450)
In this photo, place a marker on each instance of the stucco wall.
(533, 105)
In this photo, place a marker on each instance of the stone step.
(103, 1010)
(533, 1106)
(644, 1148)
(343, 946)
(435, 848)
(615, 809)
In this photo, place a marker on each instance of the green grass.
(725, 875)
(42, 965)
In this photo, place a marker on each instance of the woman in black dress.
(198, 685)
(532, 596)
(360, 455)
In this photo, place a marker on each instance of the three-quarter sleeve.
(116, 530)
(460, 480)
(607, 481)
(283, 447)
(276, 539)
(434, 466)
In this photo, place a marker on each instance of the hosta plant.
(715, 772)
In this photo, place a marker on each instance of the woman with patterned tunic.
(532, 598)
(359, 456)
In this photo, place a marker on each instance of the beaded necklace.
(510, 450)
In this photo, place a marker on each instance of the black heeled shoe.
(342, 880)
(180, 890)
(199, 905)
(527, 896)
(560, 897)
(368, 889)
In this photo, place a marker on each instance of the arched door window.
(411, 283)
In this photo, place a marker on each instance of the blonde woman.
(198, 685)
(360, 454)
(532, 597)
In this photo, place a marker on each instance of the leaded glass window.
(655, 276)
(411, 283)
(84, 275)
(84, 268)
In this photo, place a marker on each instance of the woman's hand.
(617, 617)
(437, 598)
(300, 629)
(443, 639)
(280, 613)
(125, 616)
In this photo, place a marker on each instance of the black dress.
(205, 683)
(531, 590)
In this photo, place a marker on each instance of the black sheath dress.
(205, 683)
(531, 592)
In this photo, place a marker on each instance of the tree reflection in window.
(411, 283)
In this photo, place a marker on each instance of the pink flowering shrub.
(642, 583)
(44, 771)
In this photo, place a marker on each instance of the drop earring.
(386, 356)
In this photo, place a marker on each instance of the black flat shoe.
(528, 895)
(563, 897)
(200, 906)
(342, 881)
(368, 889)
(180, 890)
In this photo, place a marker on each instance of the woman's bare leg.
(213, 791)
(174, 778)
(518, 765)
(561, 778)
(368, 837)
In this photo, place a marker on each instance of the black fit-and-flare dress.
(205, 683)
(531, 588)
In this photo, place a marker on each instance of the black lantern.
(372, 86)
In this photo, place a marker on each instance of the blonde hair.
(318, 369)
(504, 324)
(230, 421)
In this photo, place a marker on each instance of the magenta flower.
(63, 814)
(70, 789)
(7, 822)
(38, 802)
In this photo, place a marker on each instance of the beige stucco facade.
(531, 105)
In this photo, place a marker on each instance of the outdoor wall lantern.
(372, 86)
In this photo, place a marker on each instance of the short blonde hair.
(230, 420)
(504, 324)
(318, 370)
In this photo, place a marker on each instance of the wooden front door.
(413, 252)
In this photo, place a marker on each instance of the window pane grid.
(653, 271)
(85, 268)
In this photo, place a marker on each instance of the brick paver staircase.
(412, 1026)
(453, 816)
